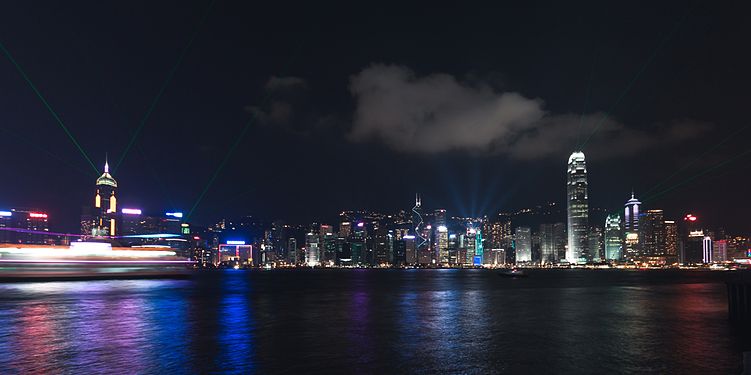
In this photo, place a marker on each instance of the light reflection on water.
(377, 321)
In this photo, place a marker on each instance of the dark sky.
(361, 106)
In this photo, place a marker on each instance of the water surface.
(373, 321)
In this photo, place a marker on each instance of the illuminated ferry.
(89, 260)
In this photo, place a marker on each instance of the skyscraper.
(547, 244)
(442, 244)
(523, 244)
(613, 239)
(105, 205)
(595, 244)
(578, 208)
(652, 233)
(631, 227)
(671, 238)
(312, 250)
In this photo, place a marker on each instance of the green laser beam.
(47, 105)
(239, 138)
(158, 180)
(221, 166)
(165, 83)
(694, 177)
(46, 151)
(636, 77)
(729, 137)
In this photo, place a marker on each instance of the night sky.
(361, 106)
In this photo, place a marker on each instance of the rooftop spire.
(106, 164)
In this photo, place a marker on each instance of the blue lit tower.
(631, 227)
(578, 207)
(105, 204)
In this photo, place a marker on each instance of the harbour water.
(374, 321)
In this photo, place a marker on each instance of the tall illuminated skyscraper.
(523, 244)
(578, 207)
(631, 227)
(312, 250)
(105, 205)
(417, 221)
(652, 233)
(613, 238)
(671, 238)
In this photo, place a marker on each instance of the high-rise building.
(345, 229)
(631, 227)
(469, 245)
(421, 240)
(383, 247)
(442, 244)
(439, 217)
(652, 233)
(523, 244)
(312, 250)
(479, 249)
(613, 239)
(578, 208)
(595, 244)
(33, 222)
(671, 238)
(292, 251)
(720, 251)
(105, 206)
(548, 251)
(706, 250)
(692, 241)
(410, 252)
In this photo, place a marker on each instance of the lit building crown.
(106, 178)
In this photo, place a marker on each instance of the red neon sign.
(38, 215)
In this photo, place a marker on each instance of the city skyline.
(316, 137)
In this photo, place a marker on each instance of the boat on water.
(513, 273)
(89, 260)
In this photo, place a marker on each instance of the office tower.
(292, 251)
(469, 245)
(382, 247)
(578, 208)
(595, 244)
(671, 238)
(652, 233)
(479, 249)
(345, 229)
(613, 238)
(692, 241)
(631, 227)
(439, 217)
(442, 244)
(720, 250)
(105, 207)
(706, 250)
(312, 250)
(329, 248)
(400, 251)
(410, 251)
(34, 223)
(523, 244)
(548, 253)
(418, 223)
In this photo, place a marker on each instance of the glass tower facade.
(631, 227)
(613, 239)
(578, 208)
